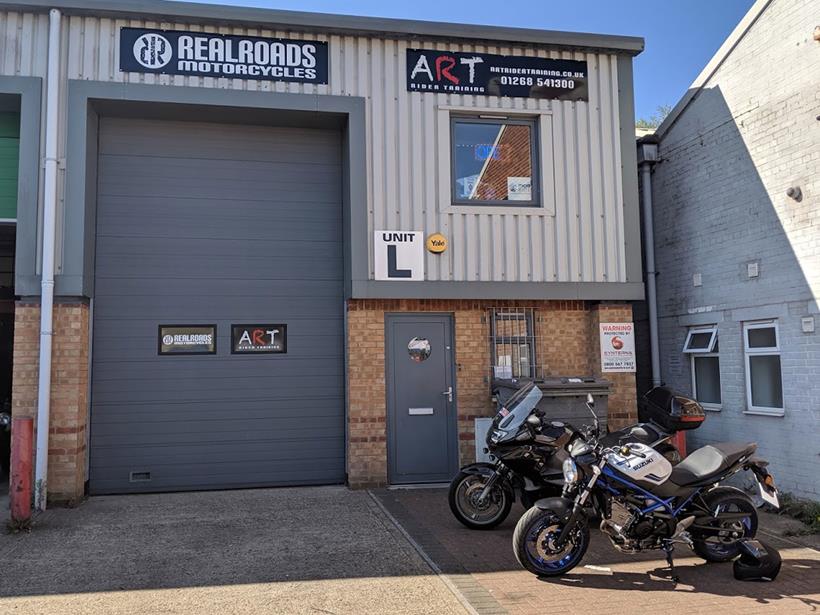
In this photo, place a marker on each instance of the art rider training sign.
(259, 339)
(177, 52)
(487, 74)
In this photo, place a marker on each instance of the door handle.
(449, 394)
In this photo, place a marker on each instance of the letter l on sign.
(392, 270)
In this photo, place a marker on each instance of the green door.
(9, 156)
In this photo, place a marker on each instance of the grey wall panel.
(583, 240)
(217, 224)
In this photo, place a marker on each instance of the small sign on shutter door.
(259, 339)
(187, 339)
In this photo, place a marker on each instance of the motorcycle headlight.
(570, 471)
(497, 435)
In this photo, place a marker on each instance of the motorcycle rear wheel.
(724, 546)
(533, 548)
(463, 498)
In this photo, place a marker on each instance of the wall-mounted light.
(795, 193)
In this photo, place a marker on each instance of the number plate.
(770, 498)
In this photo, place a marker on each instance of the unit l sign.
(399, 256)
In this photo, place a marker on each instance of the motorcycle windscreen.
(519, 407)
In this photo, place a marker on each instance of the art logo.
(259, 338)
(153, 50)
(444, 70)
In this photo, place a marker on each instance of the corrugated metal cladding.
(219, 224)
(582, 242)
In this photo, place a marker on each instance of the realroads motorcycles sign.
(186, 339)
(486, 74)
(176, 52)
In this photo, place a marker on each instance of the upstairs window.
(764, 378)
(494, 161)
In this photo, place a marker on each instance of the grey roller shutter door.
(217, 224)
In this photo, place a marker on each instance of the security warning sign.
(259, 339)
(617, 347)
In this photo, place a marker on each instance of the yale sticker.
(436, 243)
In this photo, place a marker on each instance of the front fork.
(494, 478)
(578, 506)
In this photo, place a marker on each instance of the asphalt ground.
(294, 550)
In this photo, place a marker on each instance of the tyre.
(465, 491)
(724, 546)
(532, 546)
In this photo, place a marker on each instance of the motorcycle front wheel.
(469, 509)
(534, 543)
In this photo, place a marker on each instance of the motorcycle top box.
(671, 411)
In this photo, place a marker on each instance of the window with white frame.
(764, 377)
(702, 346)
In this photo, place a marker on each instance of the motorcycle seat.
(710, 462)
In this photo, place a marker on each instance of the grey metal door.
(214, 224)
(422, 428)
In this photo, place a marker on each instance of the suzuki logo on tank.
(176, 52)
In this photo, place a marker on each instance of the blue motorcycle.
(643, 501)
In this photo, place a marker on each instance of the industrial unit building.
(295, 248)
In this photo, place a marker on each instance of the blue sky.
(681, 35)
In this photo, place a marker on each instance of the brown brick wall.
(566, 344)
(69, 391)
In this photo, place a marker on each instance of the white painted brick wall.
(720, 203)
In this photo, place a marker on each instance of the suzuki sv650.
(645, 502)
(528, 454)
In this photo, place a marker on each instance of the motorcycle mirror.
(591, 406)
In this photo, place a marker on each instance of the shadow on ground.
(605, 575)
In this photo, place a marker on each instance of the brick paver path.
(482, 566)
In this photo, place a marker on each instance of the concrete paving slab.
(299, 550)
